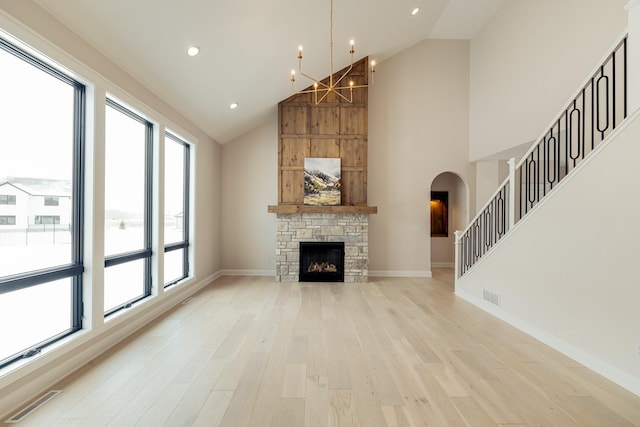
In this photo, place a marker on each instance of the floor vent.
(492, 297)
(33, 407)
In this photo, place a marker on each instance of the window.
(46, 219)
(51, 201)
(7, 199)
(176, 209)
(41, 142)
(128, 187)
(7, 220)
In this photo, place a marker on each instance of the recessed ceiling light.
(415, 11)
(193, 50)
(233, 105)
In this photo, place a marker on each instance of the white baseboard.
(248, 272)
(612, 373)
(442, 265)
(394, 273)
(372, 273)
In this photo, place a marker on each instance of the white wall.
(529, 60)
(418, 128)
(567, 274)
(489, 175)
(250, 184)
(207, 233)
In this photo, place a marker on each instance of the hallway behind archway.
(447, 186)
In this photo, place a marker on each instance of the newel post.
(512, 193)
(633, 55)
(456, 264)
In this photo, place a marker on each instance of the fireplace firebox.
(321, 262)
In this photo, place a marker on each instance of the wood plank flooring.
(392, 352)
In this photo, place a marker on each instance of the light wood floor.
(391, 352)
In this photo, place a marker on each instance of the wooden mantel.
(342, 209)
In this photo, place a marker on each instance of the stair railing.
(595, 111)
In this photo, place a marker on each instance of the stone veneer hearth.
(352, 229)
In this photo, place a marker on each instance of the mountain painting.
(322, 181)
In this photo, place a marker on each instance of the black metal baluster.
(520, 194)
(467, 255)
(613, 87)
(566, 142)
(530, 180)
(485, 229)
(537, 174)
(603, 77)
(571, 130)
(548, 165)
(624, 73)
(491, 224)
(582, 122)
(477, 244)
(593, 128)
(500, 217)
(545, 165)
(558, 154)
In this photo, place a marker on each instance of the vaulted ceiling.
(248, 47)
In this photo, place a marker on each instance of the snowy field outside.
(32, 315)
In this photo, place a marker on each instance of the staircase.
(598, 107)
(554, 251)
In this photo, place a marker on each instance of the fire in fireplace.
(321, 262)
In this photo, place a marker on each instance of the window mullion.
(149, 207)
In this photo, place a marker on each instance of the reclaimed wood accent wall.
(333, 128)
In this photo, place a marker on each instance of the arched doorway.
(448, 211)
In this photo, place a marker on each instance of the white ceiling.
(250, 46)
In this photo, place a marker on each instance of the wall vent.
(491, 297)
(33, 407)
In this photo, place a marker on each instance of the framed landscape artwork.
(322, 181)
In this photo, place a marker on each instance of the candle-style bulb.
(373, 71)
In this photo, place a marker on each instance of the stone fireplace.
(332, 129)
(352, 229)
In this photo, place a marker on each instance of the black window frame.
(146, 253)
(184, 244)
(75, 269)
